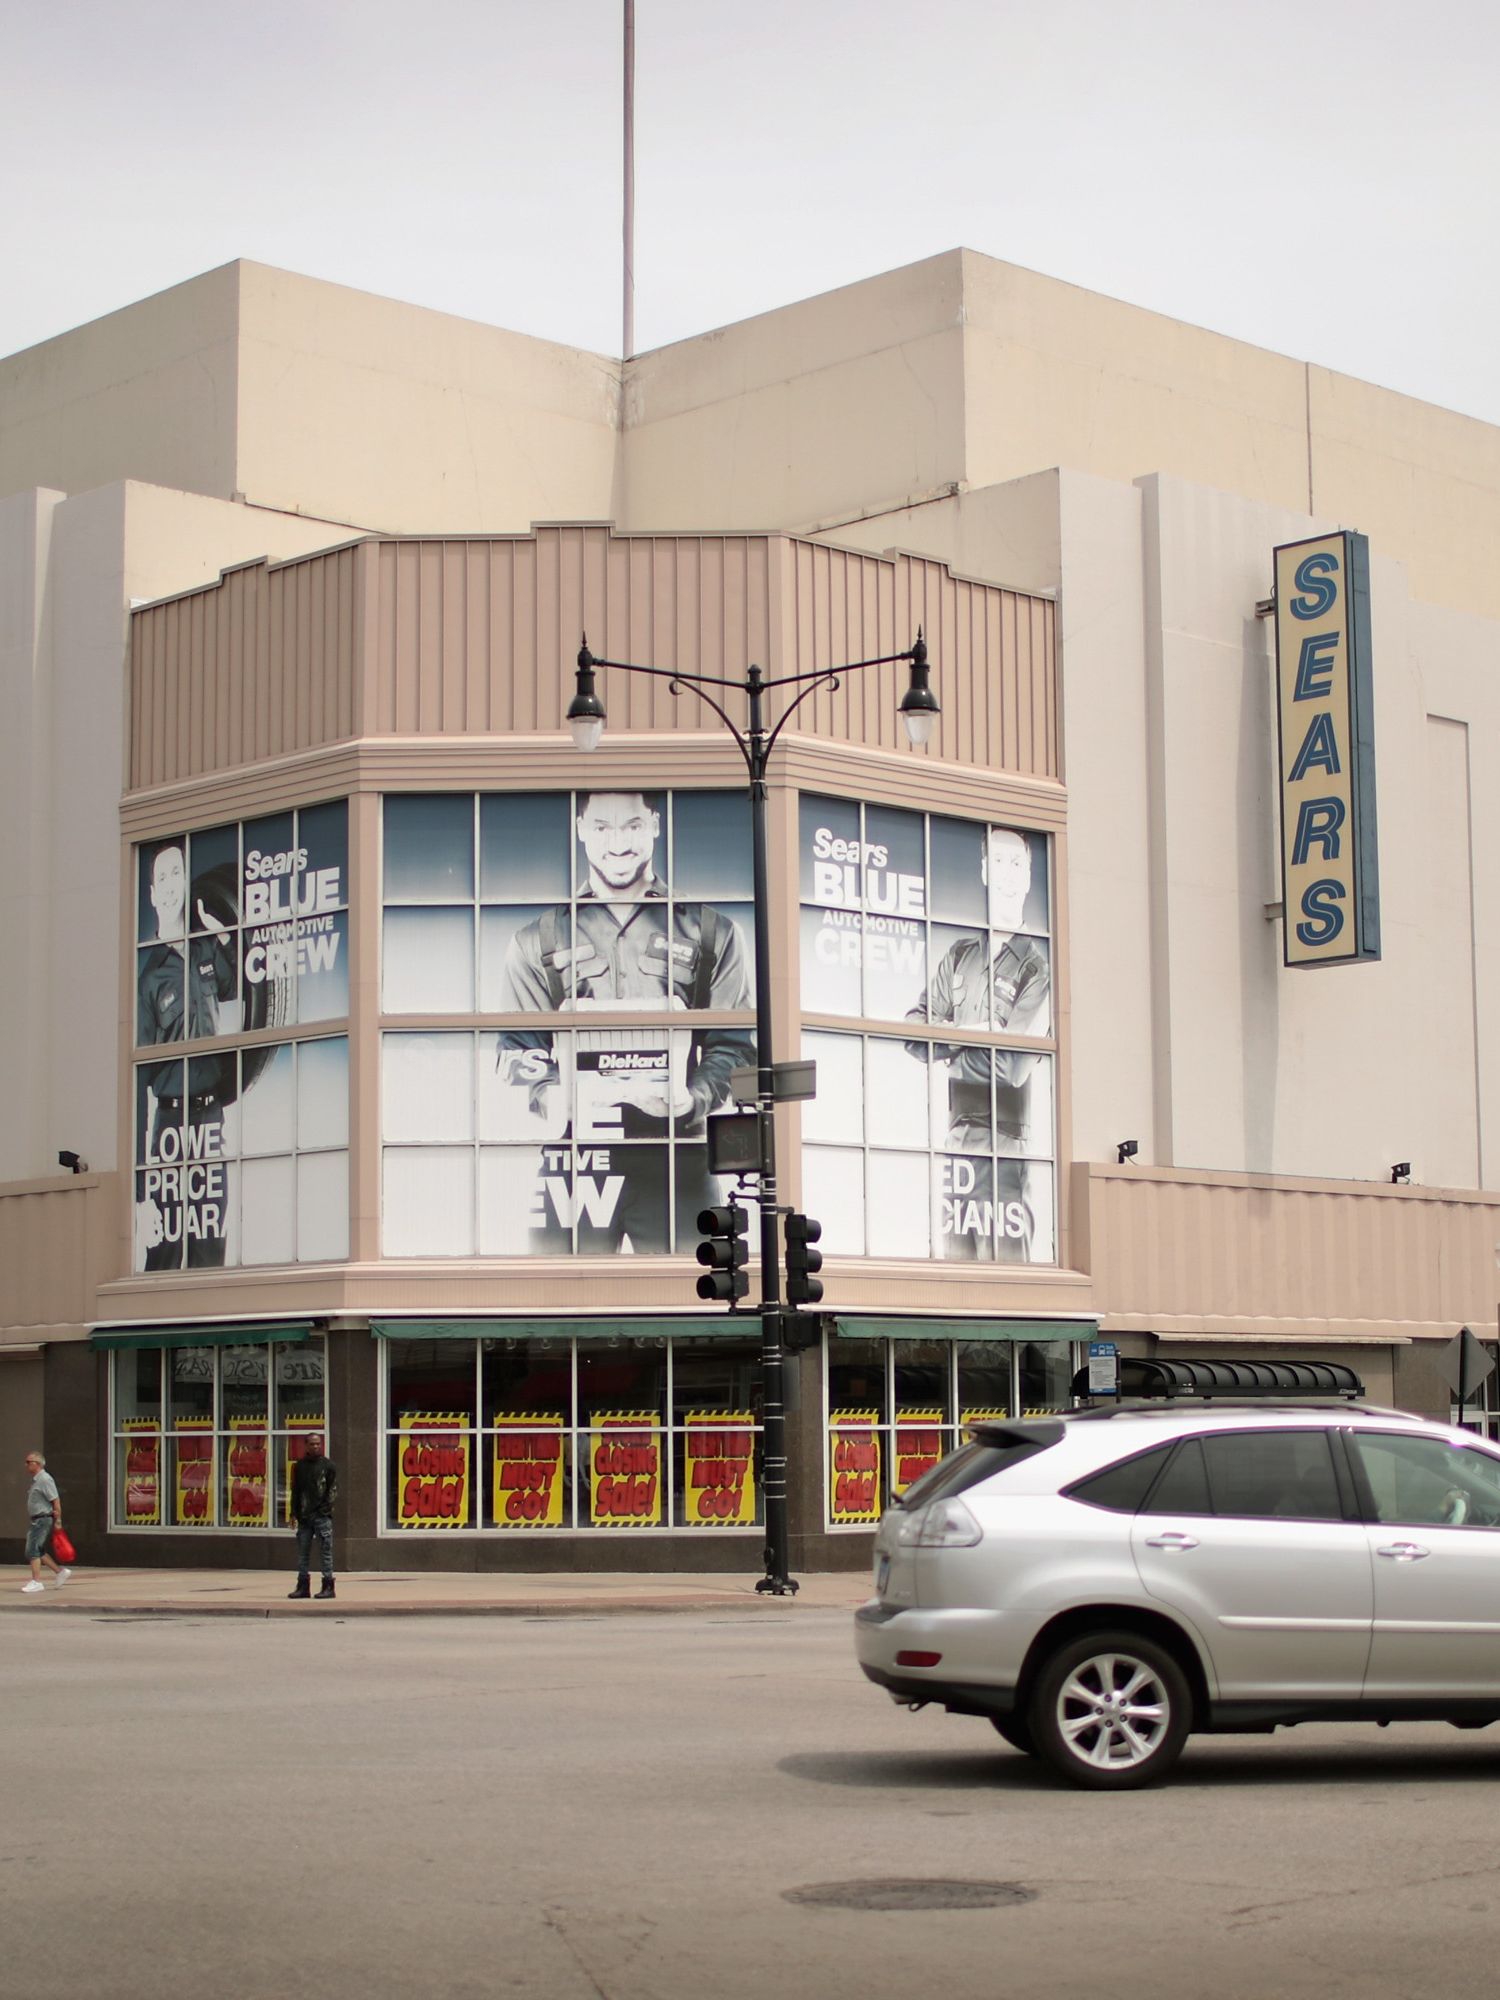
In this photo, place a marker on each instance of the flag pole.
(628, 330)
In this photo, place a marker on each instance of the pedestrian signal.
(725, 1251)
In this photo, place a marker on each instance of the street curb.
(567, 1608)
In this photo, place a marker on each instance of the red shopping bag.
(61, 1547)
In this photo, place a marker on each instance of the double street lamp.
(918, 710)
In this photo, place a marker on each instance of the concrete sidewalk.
(258, 1593)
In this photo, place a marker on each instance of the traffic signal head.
(725, 1251)
(802, 1288)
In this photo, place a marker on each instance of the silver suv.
(1101, 1583)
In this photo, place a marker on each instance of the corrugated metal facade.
(1181, 1252)
(478, 636)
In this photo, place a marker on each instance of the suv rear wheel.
(1110, 1711)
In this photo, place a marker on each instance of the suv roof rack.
(1152, 1377)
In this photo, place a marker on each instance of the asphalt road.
(617, 1808)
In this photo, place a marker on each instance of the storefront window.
(223, 1458)
(895, 1407)
(539, 1432)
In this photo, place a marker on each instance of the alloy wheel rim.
(1112, 1711)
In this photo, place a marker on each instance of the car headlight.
(945, 1524)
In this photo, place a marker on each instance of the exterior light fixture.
(1401, 1171)
(1127, 1150)
(586, 710)
(919, 705)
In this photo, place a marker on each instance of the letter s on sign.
(1320, 901)
(1315, 576)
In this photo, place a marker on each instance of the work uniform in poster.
(1000, 980)
(239, 928)
(607, 1099)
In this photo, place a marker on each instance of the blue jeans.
(320, 1527)
(38, 1535)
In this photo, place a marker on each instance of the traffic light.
(725, 1251)
(800, 1331)
(802, 1288)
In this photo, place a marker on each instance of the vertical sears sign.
(1330, 882)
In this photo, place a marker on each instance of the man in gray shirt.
(43, 1514)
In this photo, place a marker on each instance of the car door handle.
(1404, 1552)
(1172, 1542)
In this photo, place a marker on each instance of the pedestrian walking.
(43, 1514)
(315, 1487)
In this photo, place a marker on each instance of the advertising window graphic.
(243, 926)
(939, 1145)
(579, 1127)
(241, 1156)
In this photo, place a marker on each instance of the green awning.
(919, 1326)
(249, 1333)
(585, 1326)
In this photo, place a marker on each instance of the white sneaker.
(33, 1585)
(62, 1577)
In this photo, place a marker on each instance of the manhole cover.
(911, 1893)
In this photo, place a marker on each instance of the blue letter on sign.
(1318, 747)
(1314, 668)
(1319, 901)
(1318, 821)
(1314, 575)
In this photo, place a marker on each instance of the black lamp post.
(918, 710)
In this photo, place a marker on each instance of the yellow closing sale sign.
(1330, 879)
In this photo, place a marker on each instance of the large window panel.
(429, 848)
(322, 1208)
(427, 1087)
(833, 1190)
(427, 1205)
(268, 1216)
(428, 961)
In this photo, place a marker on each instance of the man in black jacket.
(315, 1487)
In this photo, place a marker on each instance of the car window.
(1260, 1475)
(1122, 1487)
(1423, 1482)
(977, 1460)
(1183, 1487)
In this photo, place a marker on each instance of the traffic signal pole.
(776, 1582)
(918, 709)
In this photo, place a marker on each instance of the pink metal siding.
(477, 637)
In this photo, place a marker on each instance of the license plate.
(882, 1572)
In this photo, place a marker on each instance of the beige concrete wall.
(383, 415)
(149, 392)
(820, 411)
(963, 373)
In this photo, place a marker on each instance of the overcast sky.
(1320, 179)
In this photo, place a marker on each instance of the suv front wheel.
(1110, 1711)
